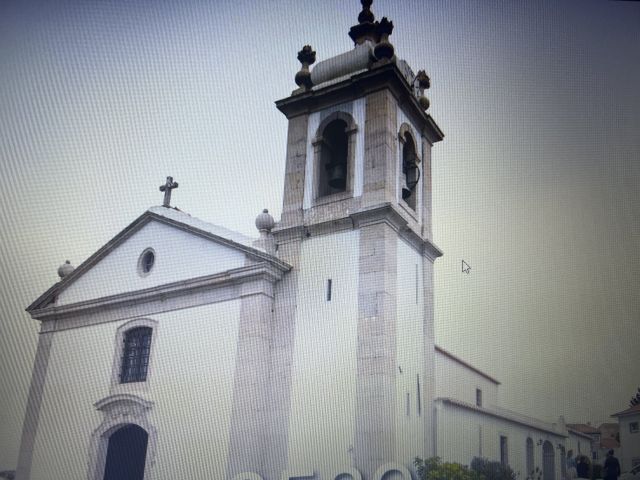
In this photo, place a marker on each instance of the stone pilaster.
(248, 427)
(429, 384)
(380, 147)
(376, 353)
(294, 172)
(426, 190)
(281, 360)
(34, 402)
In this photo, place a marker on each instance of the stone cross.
(166, 188)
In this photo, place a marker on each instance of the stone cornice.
(259, 271)
(122, 398)
(388, 214)
(386, 76)
(383, 213)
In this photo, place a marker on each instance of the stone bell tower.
(352, 374)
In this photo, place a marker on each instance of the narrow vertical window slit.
(418, 395)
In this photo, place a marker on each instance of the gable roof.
(169, 216)
(578, 433)
(629, 411)
(583, 428)
(465, 364)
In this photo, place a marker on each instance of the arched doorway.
(126, 454)
(548, 461)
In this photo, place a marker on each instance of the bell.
(411, 177)
(337, 176)
(406, 193)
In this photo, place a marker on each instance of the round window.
(146, 261)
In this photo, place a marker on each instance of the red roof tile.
(628, 411)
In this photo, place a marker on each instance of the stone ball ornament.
(424, 102)
(265, 222)
(424, 82)
(65, 269)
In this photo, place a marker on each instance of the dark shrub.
(491, 470)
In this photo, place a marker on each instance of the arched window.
(410, 170)
(135, 355)
(530, 460)
(334, 152)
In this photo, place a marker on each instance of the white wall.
(629, 442)
(190, 381)
(579, 444)
(455, 380)
(410, 423)
(463, 434)
(323, 397)
(179, 255)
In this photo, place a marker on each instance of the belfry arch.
(334, 152)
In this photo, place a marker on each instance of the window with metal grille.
(135, 355)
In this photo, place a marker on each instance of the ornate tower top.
(365, 29)
(369, 29)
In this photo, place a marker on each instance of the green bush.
(490, 470)
(434, 469)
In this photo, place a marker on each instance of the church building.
(181, 349)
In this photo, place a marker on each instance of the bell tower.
(352, 374)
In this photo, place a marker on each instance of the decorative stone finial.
(306, 56)
(265, 222)
(423, 83)
(366, 28)
(383, 48)
(366, 15)
(65, 269)
(166, 188)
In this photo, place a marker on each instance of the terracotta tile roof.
(628, 411)
(608, 426)
(579, 433)
(583, 427)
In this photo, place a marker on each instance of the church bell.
(410, 180)
(337, 175)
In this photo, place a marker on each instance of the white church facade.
(181, 349)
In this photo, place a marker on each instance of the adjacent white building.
(183, 350)
(629, 421)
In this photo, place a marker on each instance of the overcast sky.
(536, 184)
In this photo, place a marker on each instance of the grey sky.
(536, 184)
